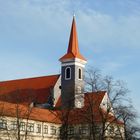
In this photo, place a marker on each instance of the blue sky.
(34, 34)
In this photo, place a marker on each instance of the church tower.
(72, 73)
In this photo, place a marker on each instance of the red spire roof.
(73, 49)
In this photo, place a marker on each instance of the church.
(56, 106)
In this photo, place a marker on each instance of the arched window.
(68, 73)
(79, 74)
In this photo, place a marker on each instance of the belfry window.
(68, 73)
(79, 74)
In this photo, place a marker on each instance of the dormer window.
(68, 73)
(79, 73)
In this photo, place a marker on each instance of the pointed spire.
(73, 42)
(73, 49)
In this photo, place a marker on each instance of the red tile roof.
(88, 97)
(91, 107)
(75, 116)
(27, 90)
(73, 49)
(94, 97)
(26, 112)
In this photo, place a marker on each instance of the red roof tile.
(27, 90)
(91, 107)
(75, 116)
(26, 112)
(88, 97)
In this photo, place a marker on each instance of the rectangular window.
(45, 129)
(30, 127)
(79, 74)
(3, 124)
(71, 130)
(83, 130)
(53, 130)
(13, 125)
(58, 130)
(38, 128)
(98, 129)
(22, 126)
(62, 130)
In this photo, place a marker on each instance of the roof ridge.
(28, 78)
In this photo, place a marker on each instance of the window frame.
(83, 130)
(30, 127)
(13, 125)
(3, 124)
(79, 74)
(53, 130)
(22, 126)
(45, 129)
(38, 128)
(71, 130)
(67, 78)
